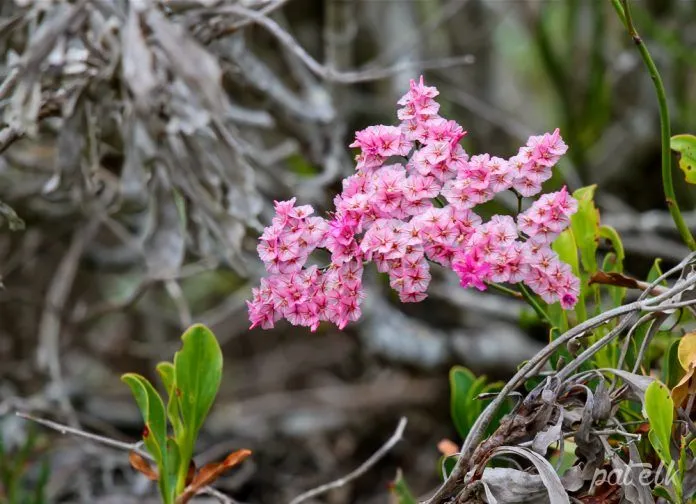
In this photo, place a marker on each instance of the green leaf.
(166, 373)
(659, 409)
(655, 272)
(685, 145)
(612, 235)
(41, 484)
(585, 226)
(197, 375)
(152, 411)
(671, 368)
(173, 467)
(461, 381)
(567, 249)
(661, 491)
(564, 245)
(692, 446)
(401, 491)
(447, 464)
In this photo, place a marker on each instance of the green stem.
(624, 12)
(504, 290)
(529, 297)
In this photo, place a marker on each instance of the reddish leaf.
(448, 447)
(191, 472)
(613, 278)
(210, 472)
(141, 465)
(603, 494)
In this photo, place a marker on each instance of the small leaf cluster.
(191, 381)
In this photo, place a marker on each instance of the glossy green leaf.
(585, 226)
(153, 413)
(197, 375)
(461, 381)
(401, 490)
(659, 410)
(685, 145)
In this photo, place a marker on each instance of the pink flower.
(394, 217)
(471, 269)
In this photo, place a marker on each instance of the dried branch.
(364, 467)
(114, 443)
(628, 313)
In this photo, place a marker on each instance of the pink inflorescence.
(404, 216)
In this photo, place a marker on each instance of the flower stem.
(623, 9)
(504, 290)
(529, 297)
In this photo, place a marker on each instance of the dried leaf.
(210, 472)
(601, 409)
(548, 436)
(191, 62)
(681, 390)
(165, 245)
(448, 447)
(513, 486)
(140, 464)
(137, 60)
(7, 214)
(613, 278)
(549, 478)
(637, 383)
(573, 479)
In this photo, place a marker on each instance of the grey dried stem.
(362, 469)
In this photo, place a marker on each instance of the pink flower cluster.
(405, 215)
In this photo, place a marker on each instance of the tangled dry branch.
(553, 400)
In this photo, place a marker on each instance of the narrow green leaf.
(174, 468)
(659, 410)
(152, 411)
(655, 272)
(166, 373)
(197, 375)
(685, 145)
(401, 491)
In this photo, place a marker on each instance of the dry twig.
(364, 467)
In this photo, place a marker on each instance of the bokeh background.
(143, 143)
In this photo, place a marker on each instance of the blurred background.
(142, 146)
